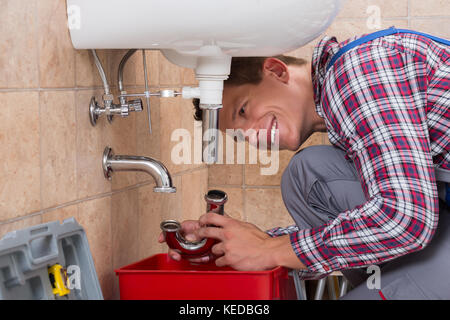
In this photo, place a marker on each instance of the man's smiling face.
(280, 101)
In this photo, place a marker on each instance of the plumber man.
(372, 197)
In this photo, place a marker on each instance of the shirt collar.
(323, 53)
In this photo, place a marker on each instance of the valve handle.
(135, 105)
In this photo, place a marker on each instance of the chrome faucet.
(156, 169)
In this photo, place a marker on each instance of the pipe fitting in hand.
(215, 200)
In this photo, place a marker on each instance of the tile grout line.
(75, 101)
(75, 88)
(187, 171)
(247, 187)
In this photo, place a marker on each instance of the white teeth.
(272, 132)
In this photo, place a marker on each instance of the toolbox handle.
(42, 245)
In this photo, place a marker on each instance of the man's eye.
(242, 110)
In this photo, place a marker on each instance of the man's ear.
(277, 68)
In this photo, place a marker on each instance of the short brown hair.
(247, 70)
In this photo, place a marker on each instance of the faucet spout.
(156, 169)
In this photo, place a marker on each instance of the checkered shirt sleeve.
(382, 103)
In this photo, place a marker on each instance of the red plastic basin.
(161, 278)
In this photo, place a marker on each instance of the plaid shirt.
(387, 104)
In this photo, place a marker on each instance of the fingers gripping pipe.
(215, 200)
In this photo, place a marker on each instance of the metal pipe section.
(121, 67)
(156, 169)
(215, 201)
(101, 71)
(210, 131)
(187, 249)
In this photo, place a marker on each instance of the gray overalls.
(319, 183)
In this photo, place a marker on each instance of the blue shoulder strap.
(380, 34)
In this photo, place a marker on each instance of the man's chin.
(291, 145)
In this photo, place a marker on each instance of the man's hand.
(188, 229)
(243, 246)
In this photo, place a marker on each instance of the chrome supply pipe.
(122, 63)
(147, 91)
(101, 71)
(94, 109)
(111, 109)
(210, 127)
(156, 169)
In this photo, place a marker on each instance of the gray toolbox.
(46, 262)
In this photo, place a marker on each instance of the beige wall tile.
(229, 169)
(171, 208)
(91, 142)
(19, 146)
(176, 114)
(87, 74)
(194, 187)
(225, 174)
(326, 141)
(152, 61)
(304, 52)
(121, 138)
(253, 173)
(265, 208)
(188, 77)
(421, 8)
(19, 53)
(344, 29)
(148, 144)
(124, 227)
(58, 147)
(124, 231)
(234, 207)
(20, 224)
(129, 71)
(437, 26)
(95, 218)
(56, 54)
(172, 203)
(316, 138)
(61, 214)
(361, 8)
(149, 221)
(194, 128)
(169, 73)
